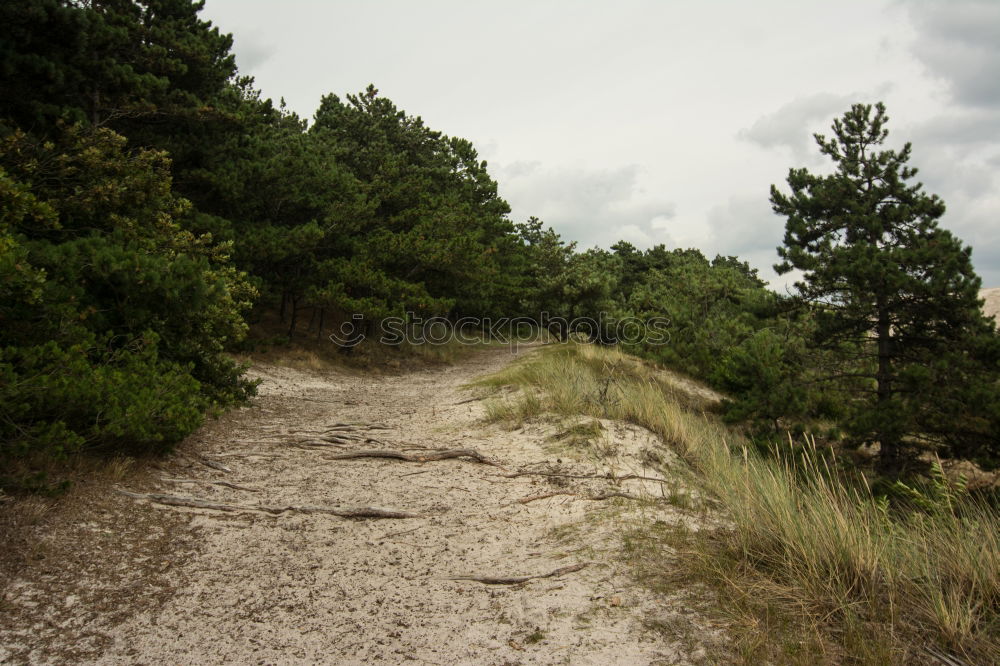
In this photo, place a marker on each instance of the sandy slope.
(992, 298)
(310, 588)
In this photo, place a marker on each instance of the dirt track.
(169, 584)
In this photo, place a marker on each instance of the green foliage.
(113, 316)
(97, 393)
(711, 307)
(937, 495)
(114, 255)
(761, 373)
(113, 62)
(432, 232)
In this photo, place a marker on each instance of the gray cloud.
(590, 206)
(957, 151)
(793, 125)
(957, 156)
(253, 48)
(959, 42)
(965, 129)
(746, 226)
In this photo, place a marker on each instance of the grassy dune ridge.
(854, 578)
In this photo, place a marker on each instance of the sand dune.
(992, 305)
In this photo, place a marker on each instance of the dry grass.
(809, 555)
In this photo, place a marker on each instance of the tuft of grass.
(513, 412)
(806, 545)
(537, 636)
(583, 436)
(118, 468)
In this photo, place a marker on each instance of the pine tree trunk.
(295, 316)
(887, 436)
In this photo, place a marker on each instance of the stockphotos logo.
(413, 329)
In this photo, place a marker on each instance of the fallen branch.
(339, 434)
(427, 456)
(601, 496)
(355, 427)
(197, 503)
(944, 657)
(212, 483)
(609, 495)
(517, 580)
(317, 444)
(541, 496)
(602, 477)
(211, 463)
(399, 534)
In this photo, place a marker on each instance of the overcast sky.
(658, 121)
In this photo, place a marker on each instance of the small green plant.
(537, 636)
(513, 412)
(937, 495)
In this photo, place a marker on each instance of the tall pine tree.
(894, 295)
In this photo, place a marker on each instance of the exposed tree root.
(211, 463)
(610, 495)
(601, 477)
(341, 427)
(555, 493)
(338, 434)
(356, 427)
(517, 580)
(197, 503)
(211, 483)
(425, 456)
(317, 444)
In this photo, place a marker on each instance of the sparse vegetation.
(807, 542)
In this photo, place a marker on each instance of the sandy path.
(309, 588)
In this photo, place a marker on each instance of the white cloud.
(591, 206)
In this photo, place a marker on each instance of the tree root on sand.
(423, 456)
(197, 503)
(555, 493)
(517, 580)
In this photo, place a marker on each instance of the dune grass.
(874, 583)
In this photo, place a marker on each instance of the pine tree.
(894, 295)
